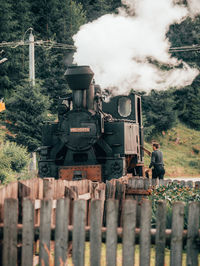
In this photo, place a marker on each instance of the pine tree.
(15, 19)
(26, 111)
(58, 21)
(96, 8)
(187, 104)
(188, 98)
(159, 113)
(6, 34)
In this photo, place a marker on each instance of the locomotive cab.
(126, 131)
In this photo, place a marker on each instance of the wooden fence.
(44, 210)
(38, 189)
(18, 239)
(49, 188)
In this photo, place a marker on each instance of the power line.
(49, 44)
(191, 48)
(46, 44)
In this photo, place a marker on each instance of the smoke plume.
(126, 50)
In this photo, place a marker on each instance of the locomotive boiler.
(92, 139)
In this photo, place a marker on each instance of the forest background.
(58, 21)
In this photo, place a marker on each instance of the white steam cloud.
(194, 7)
(126, 50)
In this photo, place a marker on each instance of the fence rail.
(26, 235)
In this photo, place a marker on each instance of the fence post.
(129, 224)
(193, 234)
(111, 234)
(28, 232)
(95, 233)
(61, 231)
(78, 235)
(10, 232)
(177, 234)
(160, 233)
(145, 236)
(45, 232)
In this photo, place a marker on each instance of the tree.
(187, 104)
(25, 113)
(97, 8)
(58, 21)
(15, 19)
(188, 98)
(159, 113)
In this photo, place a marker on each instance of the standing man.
(157, 163)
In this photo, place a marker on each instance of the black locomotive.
(92, 139)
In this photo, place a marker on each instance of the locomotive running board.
(79, 172)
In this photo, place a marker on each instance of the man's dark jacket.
(156, 159)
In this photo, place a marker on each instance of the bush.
(14, 159)
(172, 193)
(18, 156)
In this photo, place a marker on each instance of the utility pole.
(31, 59)
(3, 60)
(32, 165)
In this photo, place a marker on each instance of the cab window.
(124, 106)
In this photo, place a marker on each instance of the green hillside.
(181, 150)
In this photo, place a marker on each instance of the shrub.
(18, 156)
(172, 193)
(14, 159)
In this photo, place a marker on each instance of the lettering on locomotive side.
(80, 129)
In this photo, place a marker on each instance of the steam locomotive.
(93, 139)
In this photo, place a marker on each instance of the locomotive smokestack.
(79, 79)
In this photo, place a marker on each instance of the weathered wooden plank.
(193, 234)
(10, 232)
(78, 250)
(61, 231)
(111, 234)
(110, 190)
(129, 224)
(28, 232)
(145, 236)
(95, 233)
(23, 192)
(160, 233)
(119, 196)
(146, 183)
(109, 194)
(177, 234)
(48, 188)
(2, 198)
(45, 232)
(59, 189)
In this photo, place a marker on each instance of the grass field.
(119, 256)
(181, 151)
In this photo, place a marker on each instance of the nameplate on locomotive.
(80, 129)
